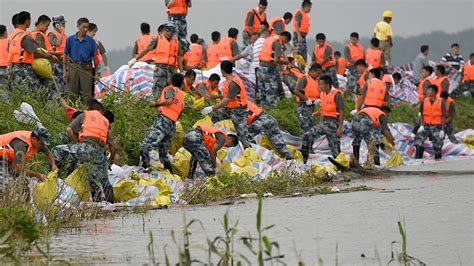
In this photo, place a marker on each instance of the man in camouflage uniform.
(163, 129)
(288, 75)
(431, 129)
(202, 152)
(371, 122)
(57, 37)
(163, 72)
(270, 56)
(178, 17)
(332, 116)
(328, 56)
(89, 151)
(352, 58)
(3, 57)
(261, 122)
(305, 106)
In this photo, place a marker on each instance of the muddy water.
(438, 213)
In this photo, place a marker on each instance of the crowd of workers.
(76, 61)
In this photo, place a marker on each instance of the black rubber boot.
(438, 155)
(305, 153)
(419, 152)
(192, 169)
(168, 166)
(356, 152)
(377, 160)
(145, 158)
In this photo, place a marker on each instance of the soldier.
(203, 143)
(188, 82)
(375, 92)
(301, 25)
(89, 133)
(3, 57)
(261, 122)
(19, 147)
(270, 56)
(177, 11)
(353, 52)
(58, 38)
(332, 117)
(371, 122)
(324, 55)
(235, 100)
(307, 96)
(159, 137)
(450, 113)
(209, 89)
(166, 49)
(433, 113)
(291, 73)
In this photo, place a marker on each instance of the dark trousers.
(80, 81)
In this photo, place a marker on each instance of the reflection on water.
(437, 211)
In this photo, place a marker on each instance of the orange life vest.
(341, 66)
(16, 53)
(374, 57)
(166, 51)
(388, 79)
(421, 94)
(210, 90)
(468, 70)
(267, 49)
(47, 43)
(172, 111)
(328, 103)
(257, 19)
(448, 103)
(254, 112)
(304, 24)
(142, 44)
(311, 90)
(438, 81)
(7, 153)
(275, 20)
(180, 7)
(213, 58)
(295, 71)
(375, 94)
(194, 56)
(361, 81)
(95, 126)
(356, 51)
(61, 47)
(3, 52)
(225, 47)
(319, 54)
(209, 137)
(374, 114)
(186, 86)
(432, 112)
(241, 99)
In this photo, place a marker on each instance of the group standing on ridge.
(278, 53)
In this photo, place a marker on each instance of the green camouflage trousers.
(327, 128)
(431, 132)
(267, 124)
(305, 117)
(3, 77)
(194, 143)
(161, 78)
(363, 129)
(301, 47)
(268, 87)
(181, 26)
(159, 138)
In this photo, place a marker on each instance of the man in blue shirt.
(78, 56)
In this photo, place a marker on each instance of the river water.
(437, 212)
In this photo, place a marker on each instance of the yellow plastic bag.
(45, 192)
(243, 162)
(198, 104)
(164, 196)
(469, 141)
(188, 97)
(181, 163)
(252, 155)
(341, 158)
(125, 190)
(42, 67)
(221, 154)
(299, 59)
(166, 174)
(266, 143)
(177, 140)
(213, 184)
(388, 145)
(251, 171)
(395, 160)
(224, 168)
(205, 121)
(227, 124)
(77, 180)
(319, 170)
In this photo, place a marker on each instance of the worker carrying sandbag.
(19, 147)
(203, 143)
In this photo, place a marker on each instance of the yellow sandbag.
(266, 143)
(213, 184)
(42, 67)
(147, 182)
(161, 200)
(177, 140)
(227, 124)
(221, 154)
(166, 174)
(224, 168)
(319, 170)
(395, 160)
(388, 145)
(251, 171)
(77, 180)
(45, 192)
(205, 121)
(198, 104)
(243, 162)
(252, 155)
(341, 158)
(469, 141)
(181, 163)
(164, 196)
(125, 190)
(299, 59)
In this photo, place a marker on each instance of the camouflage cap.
(42, 134)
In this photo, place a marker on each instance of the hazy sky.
(119, 21)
